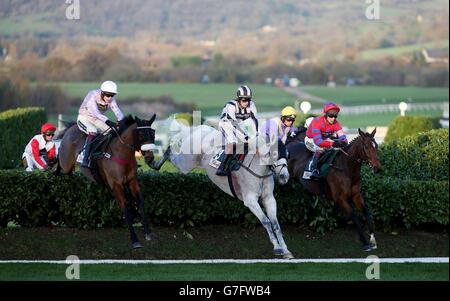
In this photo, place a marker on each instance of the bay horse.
(343, 182)
(116, 166)
(195, 147)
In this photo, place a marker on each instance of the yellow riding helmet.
(288, 112)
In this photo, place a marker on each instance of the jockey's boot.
(221, 170)
(87, 152)
(311, 171)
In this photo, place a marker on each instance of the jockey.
(90, 116)
(319, 137)
(236, 110)
(281, 126)
(40, 147)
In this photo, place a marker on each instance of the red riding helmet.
(47, 127)
(331, 106)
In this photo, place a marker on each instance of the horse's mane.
(352, 142)
(125, 123)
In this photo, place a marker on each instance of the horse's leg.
(251, 201)
(351, 214)
(360, 204)
(136, 191)
(166, 155)
(270, 205)
(120, 196)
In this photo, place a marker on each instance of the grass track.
(228, 272)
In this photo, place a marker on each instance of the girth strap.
(119, 161)
(230, 183)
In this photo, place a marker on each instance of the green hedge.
(403, 126)
(423, 156)
(17, 127)
(412, 190)
(38, 199)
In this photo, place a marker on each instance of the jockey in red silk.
(40, 146)
(319, 137)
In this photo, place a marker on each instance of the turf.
(228, 272)
(216, 241)
(210, 242)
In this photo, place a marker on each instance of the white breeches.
(31, 163)
(87, 125)
(309, 142)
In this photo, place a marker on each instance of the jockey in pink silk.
(319, 137)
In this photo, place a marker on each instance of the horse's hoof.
(288, 255)
(373, 247)
(148, 236)
(137, 245)
(367, 248)
(278, 252)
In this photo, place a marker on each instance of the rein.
(350, 156)
(130, 146)
(119, 160)
(247, 168)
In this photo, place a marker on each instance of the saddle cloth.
(234, 163)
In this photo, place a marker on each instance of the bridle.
(130, 146)
(359, 160)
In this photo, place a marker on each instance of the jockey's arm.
(270, 128)
(36, 155)
(318, 139)
(93, 109)
(254, 114)
(230, 126)
(340, 134)
(115, 108)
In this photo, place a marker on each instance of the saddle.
(233, 164)
(98, 146)
(326, 160)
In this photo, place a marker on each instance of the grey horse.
(195, 147)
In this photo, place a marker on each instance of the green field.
(361, 95)
(379, 119)
(227, 272)
(209, 98)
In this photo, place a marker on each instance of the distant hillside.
(291, 28)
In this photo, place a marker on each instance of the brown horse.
(343, 182)
(116, 167)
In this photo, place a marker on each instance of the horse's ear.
(136, 119)
(152, 119)
(361, 133)
(373, 132)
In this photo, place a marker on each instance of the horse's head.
(274, 153)
(369, 150)
(280, 167)
(145, 138)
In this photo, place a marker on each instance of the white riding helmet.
(109, 86)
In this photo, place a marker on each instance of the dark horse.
(343, 182)
(116, 165)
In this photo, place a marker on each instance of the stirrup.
(315, 174)
(221, 173)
